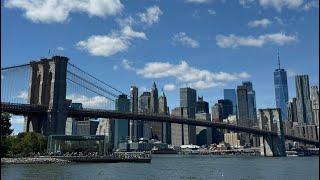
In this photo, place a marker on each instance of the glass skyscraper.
(230, 94)
(281, 91)
(121, 131)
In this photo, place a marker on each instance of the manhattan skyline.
(205, 51)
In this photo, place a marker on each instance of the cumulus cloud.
(193, 77)
(22, 95)
(17, 120)
(280, 4)
(151, 16)
(59, 48)
(58, 11)
(246, 3)
(107, 45)
(212, 12)
(182, 38)
(262, 23)
(114, 67)
(89, 102)
(233, 41)
(127, 64)
(198, 1)
(311, 4)
(169, 87)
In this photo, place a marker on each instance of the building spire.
(278, 59)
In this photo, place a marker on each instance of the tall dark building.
(252, 109)
(281, 90)
(304, 105)
(134, 109)
(121, 132)
(226, 107)
(156, 127)
(243, 111)
(231, 95)
(144, 107)
(202, 106)
(166, 127)
(188, 99)
(292, 110)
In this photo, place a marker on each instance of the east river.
(175, 167)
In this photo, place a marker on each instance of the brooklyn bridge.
(46, 86)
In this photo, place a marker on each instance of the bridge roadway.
(29, 109)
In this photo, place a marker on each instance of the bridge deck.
(27, 109)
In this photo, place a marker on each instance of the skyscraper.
(156, 127)
(216, 111)
(166, 127)
(202, 106)
(314, 96)
(281, 90)
(144, 107)
(188, 99)
(231, 95)
(243, 111)
(121, 130)
(134, 109)
(226, 107)
(292, 110)
(252, 109)
(304, 109)
(179, 132)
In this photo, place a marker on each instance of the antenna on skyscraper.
(278, 59)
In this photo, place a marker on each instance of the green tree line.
(21, 145)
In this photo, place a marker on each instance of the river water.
(175, 167)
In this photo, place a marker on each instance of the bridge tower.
(47, 86)
(271, 120)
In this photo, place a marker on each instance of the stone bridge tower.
(47, 86)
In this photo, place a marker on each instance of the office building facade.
(304, 109)
(231, 95)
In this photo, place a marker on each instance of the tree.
(25, 144)
(5, 132)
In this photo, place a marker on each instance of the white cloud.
(169, 87)
(22, 95)
(311, 4)
(279, 20)
(59, 48)
(129, 33)
(151, 16)
(107, 45)
(182, 38)
(114, 67)
(190, 76)
(127, 64)
(212, 12)
(17, 120)
(198, 1)
(233, 41)
(89, 102)
(280, 4)
(103, 45)
(246, 3)
(57, 11)
(262, 23)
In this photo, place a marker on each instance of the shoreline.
(34, 160)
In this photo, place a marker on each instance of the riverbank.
(34, 160)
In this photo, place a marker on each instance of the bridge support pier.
(47, 86)
(272, 146)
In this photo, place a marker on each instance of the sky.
(208, 45)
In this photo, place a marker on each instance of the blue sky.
(206, 44)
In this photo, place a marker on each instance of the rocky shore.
(36, 160)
